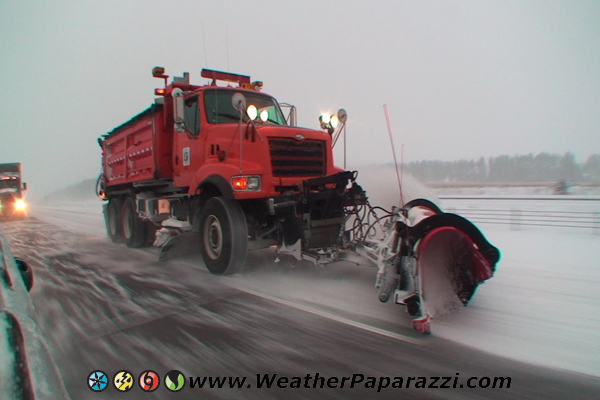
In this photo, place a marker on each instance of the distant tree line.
(544, 167)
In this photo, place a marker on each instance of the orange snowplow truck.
(224, 162)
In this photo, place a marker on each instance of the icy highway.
(105, 307)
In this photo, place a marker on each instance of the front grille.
(297, 158)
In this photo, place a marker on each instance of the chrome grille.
(297, 158)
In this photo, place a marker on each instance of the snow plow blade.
(452, 258)
(429, 261)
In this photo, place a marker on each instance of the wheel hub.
(213, 237)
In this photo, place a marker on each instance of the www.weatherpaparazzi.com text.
(316, 381)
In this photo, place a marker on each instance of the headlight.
(254, 183)
(252, 112)
(245, 183)
(264, 115)
(20, 205)
(330, 122)
(334, 122)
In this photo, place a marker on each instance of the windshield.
(219, 107)
(9, 182)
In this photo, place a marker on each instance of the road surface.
(104, 306)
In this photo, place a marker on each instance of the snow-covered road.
(542, 306)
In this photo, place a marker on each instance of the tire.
(7, 205)
(223, 236)
(113, 221)
(8, 210)
(134, 228)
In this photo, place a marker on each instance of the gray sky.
(461, 79)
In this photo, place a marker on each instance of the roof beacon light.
(257, 85)
(225, 76)
(159, 72)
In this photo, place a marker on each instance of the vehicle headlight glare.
(335, 121)
(252, 112)
(264, 115)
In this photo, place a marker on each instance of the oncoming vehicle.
(12, 199)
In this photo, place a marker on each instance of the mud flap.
(181, 244)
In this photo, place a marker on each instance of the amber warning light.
(160, 92)
(244, 183)
(240, 183)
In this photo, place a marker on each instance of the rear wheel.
(224, 236)
(134, 228)
(113, 225)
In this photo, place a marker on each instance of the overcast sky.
(462, 79)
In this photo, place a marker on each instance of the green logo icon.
(174, 380)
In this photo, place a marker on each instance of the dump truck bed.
(139, 150)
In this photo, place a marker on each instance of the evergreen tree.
(568, 168)
(544, 167)
(591, 168)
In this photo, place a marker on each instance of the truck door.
(188, 144)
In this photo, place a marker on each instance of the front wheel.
(7, 205)
(224, 236)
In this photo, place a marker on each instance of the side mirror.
(238, 101)
(178, 111)
(292, 117)
(24, 185)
